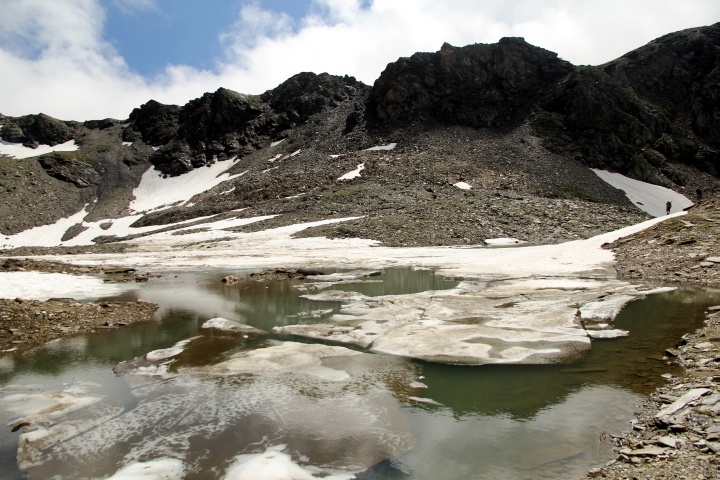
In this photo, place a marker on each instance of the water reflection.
(492, 421)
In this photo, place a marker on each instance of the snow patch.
(275, 157)
(389, 146)
(646, 196)
(462, 185)
(157, 193)
(41, 286)
(127, 144)
(18, 151)
(275, 465)
(275, 144)
(499, 242)
(354, 174)
(220, 323)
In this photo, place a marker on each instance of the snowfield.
(18, 151)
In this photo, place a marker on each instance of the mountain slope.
(453, 147)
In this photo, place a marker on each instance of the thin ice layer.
(355, 422)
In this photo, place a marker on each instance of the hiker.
(668, 206)
(698, 194)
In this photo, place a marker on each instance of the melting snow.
(275, 144)
(462, 186)
(499, 242)
(156, 192)
(18, 151)
(354, 174)
(646, 196)
(161, 469)
(275, 465)
(41, 286)
(389, 146)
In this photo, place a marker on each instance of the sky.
(93, 59)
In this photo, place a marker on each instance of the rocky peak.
(225, 123)
(306, 94)
(680, 73)
(32, 130)
(481, 85)
(154, 123)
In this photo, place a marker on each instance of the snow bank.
(18, 151)
(156, 192)
(41, 286)
(389, 146)
(646, 196)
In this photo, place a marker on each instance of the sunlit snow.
(156, 192)
(646, 196)
(389, 146)
(18, 151)
(462, 185)
(353, 174)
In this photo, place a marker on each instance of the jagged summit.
(473, 142)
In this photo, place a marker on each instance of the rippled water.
(388, 417)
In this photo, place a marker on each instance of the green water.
(493, 421)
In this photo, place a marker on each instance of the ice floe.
(160, 469)
(224, 324)
(165, 353)
(273, 464)
(287, 357)
(355, 422)
(646, 196)
(18, 151)
(532, 320)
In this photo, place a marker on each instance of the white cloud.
(55, 59)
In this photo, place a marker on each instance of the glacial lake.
(391, 417)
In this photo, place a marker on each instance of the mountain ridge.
(511, 120)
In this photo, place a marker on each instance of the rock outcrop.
(227, 124)
(478, 85)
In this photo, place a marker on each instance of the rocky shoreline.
(677, 433)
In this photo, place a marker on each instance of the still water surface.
(402, 419)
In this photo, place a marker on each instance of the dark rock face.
(225, 123)
(654, 107)
(306, 94)
(154, 123)
(70, 169)
(32, 130)
(477, 85)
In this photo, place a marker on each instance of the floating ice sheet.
(354, 423)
